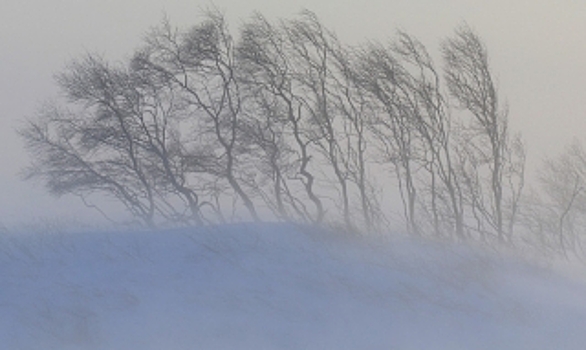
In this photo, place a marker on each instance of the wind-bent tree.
(412, 126)
(284, 120)
(442, 203)
(312, 46)
(303, 77)
(326, 72)
(150, 134)
(555, 215)
(267, 70)
(393, 122)
(201, 64)
(485, 144)
(119, 139)
(350, 101)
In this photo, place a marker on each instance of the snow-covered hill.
(276, 287)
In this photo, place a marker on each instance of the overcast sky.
(537, 50)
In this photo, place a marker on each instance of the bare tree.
(557, 215)
(351, 103)
(200, 126)
(393, 122)
(433, 123)
(312, 46)
(100, 145)
(267, 70)
(201, 64)
(485, 141)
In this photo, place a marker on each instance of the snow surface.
(276, 286)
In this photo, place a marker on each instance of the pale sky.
(537, 50)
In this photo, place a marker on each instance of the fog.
(285, 285)
(537, 50)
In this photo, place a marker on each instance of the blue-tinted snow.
(276, 287)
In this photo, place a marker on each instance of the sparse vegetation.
(282, 120)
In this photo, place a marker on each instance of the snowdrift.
(276, 286)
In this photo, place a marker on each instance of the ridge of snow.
(276, 286)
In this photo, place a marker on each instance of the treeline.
(284, 121)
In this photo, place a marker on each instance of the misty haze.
(302, 176)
